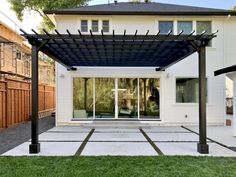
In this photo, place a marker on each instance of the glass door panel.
(127, 98)
(82, 98)
(105, 98)
(149, 98)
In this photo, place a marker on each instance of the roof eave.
(216, 13)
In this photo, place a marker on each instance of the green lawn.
(117, 166)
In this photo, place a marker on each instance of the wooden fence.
(15, 101)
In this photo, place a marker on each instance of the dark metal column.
(202, 145)
(34, 147)
(85, 93)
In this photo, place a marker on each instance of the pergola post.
(34, 147)
(202, 146)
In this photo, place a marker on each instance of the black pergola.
(159, 51)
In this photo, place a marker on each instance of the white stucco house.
(142, 93)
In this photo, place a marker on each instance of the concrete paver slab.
(173, 137)
(62, 136)
(47, 149)
(117, 137)
(119, 148)
(75, 129)
(171, 148)
(116, 130)
(221, 134)
(166, 129)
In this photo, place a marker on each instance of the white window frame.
(189, 77)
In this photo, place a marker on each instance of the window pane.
(149, 98)
(187, 90)
(203, 25)
(128, 98)
(82, 97)
(186, 26)
(105, 97)
(105, 26)
(84, 25)
(165, 26)
(95, 25)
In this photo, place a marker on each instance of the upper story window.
(105, 26)
(94, 25)
(186, 26)
(18, 54)
(204, 26)
(165, 26)
(84, 25)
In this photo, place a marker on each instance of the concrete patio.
(129, 141)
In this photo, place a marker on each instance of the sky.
(32, 20)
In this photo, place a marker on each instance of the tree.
(20, 6)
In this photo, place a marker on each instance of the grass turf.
(117, 166)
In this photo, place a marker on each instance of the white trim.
(116, 99)
(94, 99)
(138, 100)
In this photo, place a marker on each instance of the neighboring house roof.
(131, 8)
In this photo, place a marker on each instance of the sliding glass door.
(149, 98)
(116, 98)
(105, 98)
(127, 98)
(82, 98)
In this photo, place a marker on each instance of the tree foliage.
(20, 6)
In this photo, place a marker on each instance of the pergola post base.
(34, 148)
(203, 148)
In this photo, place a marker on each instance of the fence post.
(6, 105)
(44, 97)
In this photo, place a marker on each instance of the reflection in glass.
(149, 98)
(128, 98)
(165, 26)
(105, 97)
(82, 98)
(186, 26)
(187, 90)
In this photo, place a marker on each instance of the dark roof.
(160, 50)
(225, 70)
(151, 8)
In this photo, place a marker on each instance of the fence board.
(15, 101)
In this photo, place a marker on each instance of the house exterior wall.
(219, 55)
(234, 103)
